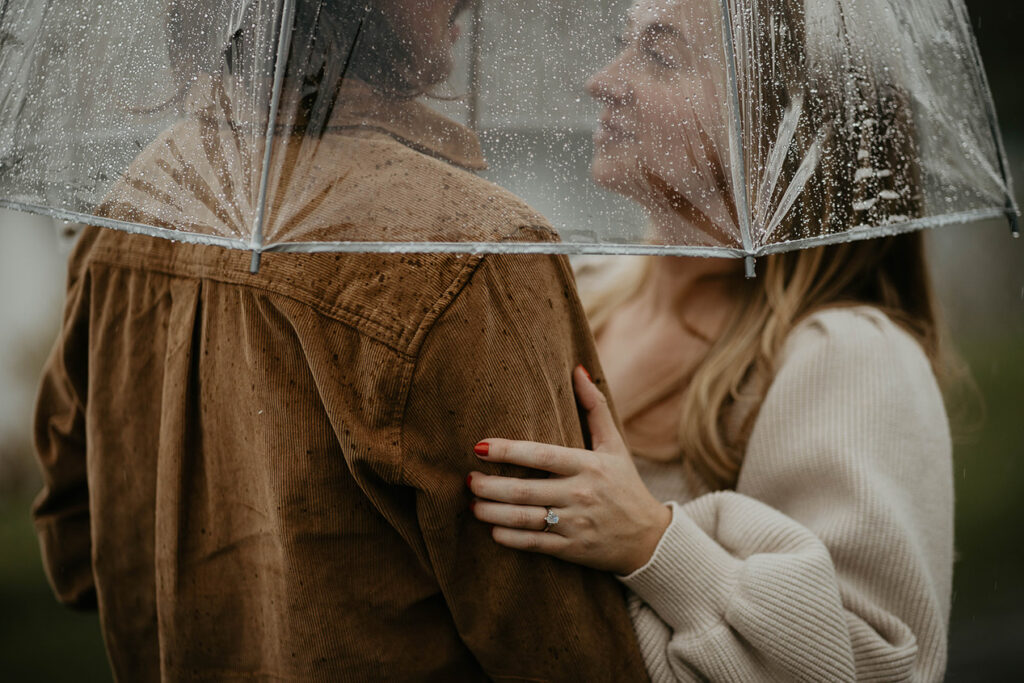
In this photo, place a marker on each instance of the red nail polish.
(482, 448)
(469, 478)
(586, 374)
(472, 506)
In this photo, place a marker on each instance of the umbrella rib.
(776, 158)
(283, 45)
(739, 173)
(1011, 209)
(796, 186)
(352, 49)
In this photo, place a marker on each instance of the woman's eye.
(660, 58)
(660, 48)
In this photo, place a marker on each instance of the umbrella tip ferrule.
(254, 266)
(750, 267)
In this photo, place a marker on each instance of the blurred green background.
(980, 277)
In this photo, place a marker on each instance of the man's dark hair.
(335, 39)
(332, 40)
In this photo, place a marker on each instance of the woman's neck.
(672, 279)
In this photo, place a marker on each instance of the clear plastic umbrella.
(717, 127)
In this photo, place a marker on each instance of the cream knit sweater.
(832, 560)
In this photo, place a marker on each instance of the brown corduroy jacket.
(261, 476)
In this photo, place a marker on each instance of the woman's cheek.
(662, 127)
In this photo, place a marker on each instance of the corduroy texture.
(262, 476)
(832, 560)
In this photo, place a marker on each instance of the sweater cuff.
(688, 579)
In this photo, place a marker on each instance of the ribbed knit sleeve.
(832, 559)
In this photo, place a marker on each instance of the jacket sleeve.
(61, 510)
(832, 560)
(497, 363)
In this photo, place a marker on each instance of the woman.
(793, 424)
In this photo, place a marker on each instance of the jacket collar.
(358, 106)
(410, 122)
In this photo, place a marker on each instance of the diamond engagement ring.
(550, 519)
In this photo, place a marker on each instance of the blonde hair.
(842, 191)
(725, 393)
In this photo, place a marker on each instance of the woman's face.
(663, 126)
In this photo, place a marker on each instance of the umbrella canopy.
(715, 127)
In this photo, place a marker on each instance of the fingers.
(527, 517)
(531, 541)
(538, 456)
(602, 425)
(541, 492)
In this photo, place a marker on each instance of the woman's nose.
(608, 84)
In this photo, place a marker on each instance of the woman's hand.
(607, 519)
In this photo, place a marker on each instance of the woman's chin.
(610, 175)
(622, 180)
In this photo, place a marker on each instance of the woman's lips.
(608, 132)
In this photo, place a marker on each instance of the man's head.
(427, 30)
(399, 47)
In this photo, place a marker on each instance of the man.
(262, 475)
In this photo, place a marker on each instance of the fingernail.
(469, 478)
(482, 448)
(586, 374)
(472, 506)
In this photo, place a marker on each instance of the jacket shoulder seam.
(379, 332)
